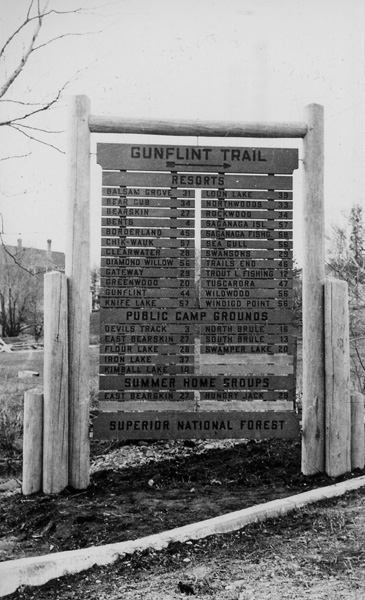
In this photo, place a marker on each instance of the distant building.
(22, 286)
(33, 259)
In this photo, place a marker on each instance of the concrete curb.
(39, 570)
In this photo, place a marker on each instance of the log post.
(32, 442)
(313, 441)
(78, 273)
(357, 431)
(337, 365)
(55, 433)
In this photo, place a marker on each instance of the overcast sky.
(244, 60)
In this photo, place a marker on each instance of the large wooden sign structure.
(196, 292)
(82, 124)
(196, 301)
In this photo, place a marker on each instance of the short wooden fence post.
(357, 431)
(32, 442)
(55, 435)
(337, 369)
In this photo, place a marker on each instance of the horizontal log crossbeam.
(105, 124)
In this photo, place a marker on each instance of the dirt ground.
(140, 489)
(137, 490)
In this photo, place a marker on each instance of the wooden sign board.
(167, 303)
(196, 382)
(133, 157)
(180, 180)
(196, 425)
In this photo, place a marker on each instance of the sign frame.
(311, 131)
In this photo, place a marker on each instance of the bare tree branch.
(32, 27)
(44, 107)
(33, 128)
(360, 375)
(359, 358)
(17, 31)
(20, 102)
(15, 156)
(17, 128)
(14, 259)
(29, 19)
(357, 339)
(24, 59)
(357, 265)
(59, 37)
(41, 14)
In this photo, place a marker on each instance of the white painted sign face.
(196, 284)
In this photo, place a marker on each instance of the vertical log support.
(357, 431)
(313, 441)
(32, 442)
(337, 381)
(56, 418)
(78, 273)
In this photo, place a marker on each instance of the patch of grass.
(12, 389)
(11, 429)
